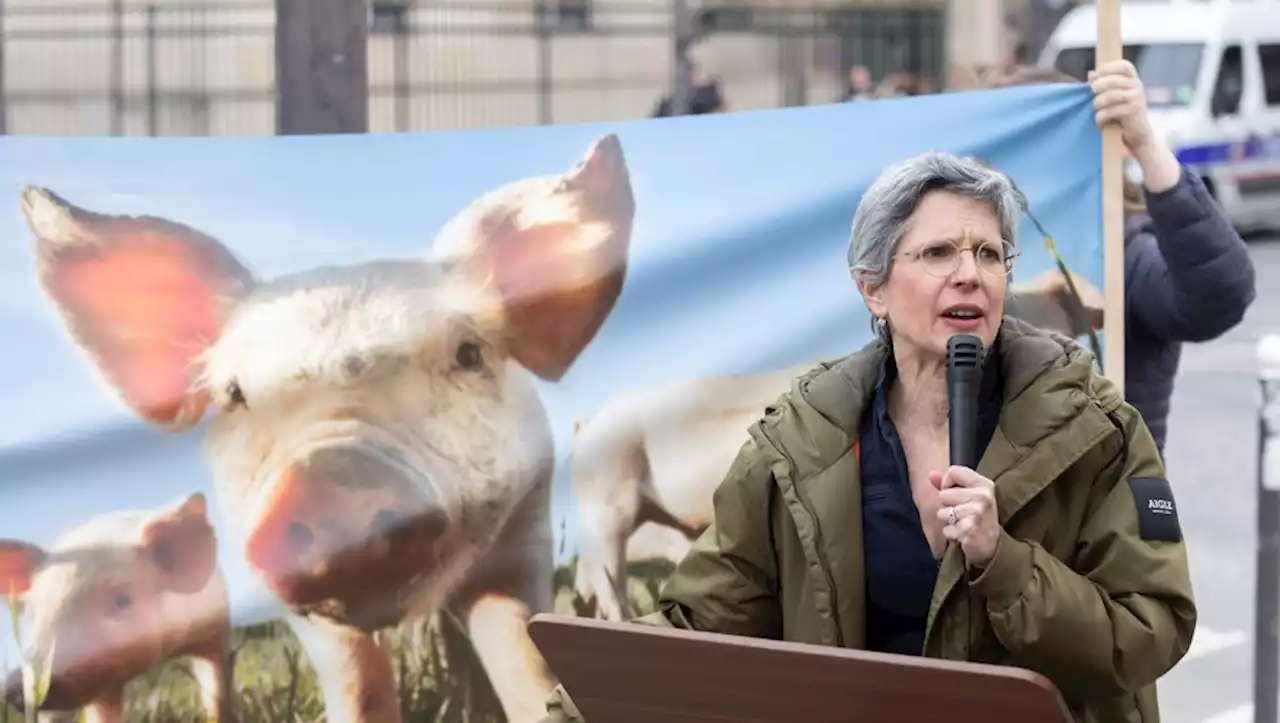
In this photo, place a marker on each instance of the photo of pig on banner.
(299, 444)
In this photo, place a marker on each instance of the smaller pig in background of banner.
(431, 384)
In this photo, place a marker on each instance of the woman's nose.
(966, 266)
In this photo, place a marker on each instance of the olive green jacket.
(1074, 592)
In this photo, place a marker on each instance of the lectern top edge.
(617, 672)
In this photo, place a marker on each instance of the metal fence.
(179, 67)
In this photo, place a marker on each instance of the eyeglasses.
(941, 258)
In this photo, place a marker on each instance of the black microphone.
(964, 379)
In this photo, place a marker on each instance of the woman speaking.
(841, 522)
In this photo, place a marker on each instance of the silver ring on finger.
(951, 515)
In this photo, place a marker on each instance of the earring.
(881, 322)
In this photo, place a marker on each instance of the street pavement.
(1212, 460)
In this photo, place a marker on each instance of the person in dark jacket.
(707, 97)
(1188, 275)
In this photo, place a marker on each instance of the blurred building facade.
(206, 67)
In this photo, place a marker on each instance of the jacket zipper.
(808, 508)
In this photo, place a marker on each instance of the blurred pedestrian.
(1017, 54)
(705, 96)
(859, 85)
(897, 84)
(1188, 274)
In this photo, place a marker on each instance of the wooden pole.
(1108, 50)
(322, 67)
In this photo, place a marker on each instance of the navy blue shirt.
(900, 566)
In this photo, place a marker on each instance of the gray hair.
(882, 215)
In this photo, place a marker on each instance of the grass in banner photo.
(307, 427)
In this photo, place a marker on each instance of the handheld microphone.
(964, 379)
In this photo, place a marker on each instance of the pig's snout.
(342, 510)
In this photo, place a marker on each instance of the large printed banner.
(306, 427)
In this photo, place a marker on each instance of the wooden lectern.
(634, 673)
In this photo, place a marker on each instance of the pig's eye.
(121, 601)
(468, 355)
(235, 395)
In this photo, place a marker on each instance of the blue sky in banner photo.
(737, 260)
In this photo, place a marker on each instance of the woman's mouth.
(963, 317)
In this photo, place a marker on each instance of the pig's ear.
(142, 296)
(19, 562)
(182, 545)
(556, 274)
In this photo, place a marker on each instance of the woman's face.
(949, 275)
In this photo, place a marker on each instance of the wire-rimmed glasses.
(941, 257)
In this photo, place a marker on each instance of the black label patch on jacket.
(1157, 513)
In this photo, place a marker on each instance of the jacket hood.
(1048, 380)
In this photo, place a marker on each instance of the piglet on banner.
(308, 427)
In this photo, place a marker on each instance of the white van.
(1212, 73)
